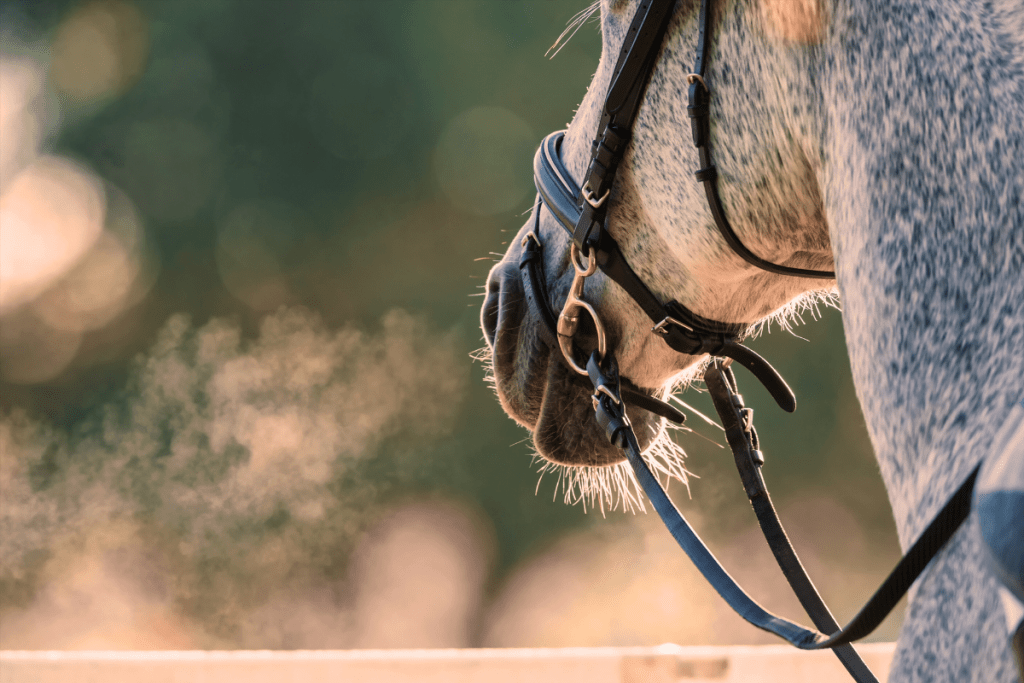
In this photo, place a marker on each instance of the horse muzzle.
(533, 355)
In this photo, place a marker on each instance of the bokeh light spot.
(115, 274)
(480, 160)
(93, 292)
(50, 216)
(419, 576)
(22, 116)
(100, 50)
(31, 351)
(106, 591)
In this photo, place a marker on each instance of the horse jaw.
(769, 182)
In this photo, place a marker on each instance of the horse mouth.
(538, 389)
(566, 431)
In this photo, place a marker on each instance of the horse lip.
(515, 360)
(566, 431)
(542, 393)
(553, 401)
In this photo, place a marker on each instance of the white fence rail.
(664, 664)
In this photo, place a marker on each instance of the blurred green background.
(339, 169)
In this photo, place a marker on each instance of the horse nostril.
(492, 303)
(503, 307)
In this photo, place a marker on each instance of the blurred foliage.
(303, 144)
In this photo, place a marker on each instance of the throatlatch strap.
(698, 110)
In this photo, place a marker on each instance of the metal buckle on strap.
(569, 319)
(602, 389)
(530, 236)
(697, 78)
(589, 195)
(662, 327)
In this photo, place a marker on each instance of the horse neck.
(909, 121)
(923, 192)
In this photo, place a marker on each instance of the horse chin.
(566, 431)
(554, 402)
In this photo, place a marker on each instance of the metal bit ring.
(568, 319)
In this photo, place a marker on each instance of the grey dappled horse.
(886, 138)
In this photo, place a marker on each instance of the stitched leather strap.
(633, 68)
(737, 420)
(722, 386)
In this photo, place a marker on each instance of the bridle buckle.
(589, 194)
(662, 327)
(602, 389)
(530, 236)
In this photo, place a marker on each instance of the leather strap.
(739, 430)
(612, 418)
(558, 192)
(698, 109)
(737, 420)
(532, 264)
(682, 329)
(633, 68)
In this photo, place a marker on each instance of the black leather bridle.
(582, 211)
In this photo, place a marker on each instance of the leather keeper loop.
(698, 110)
(697, 95)
(585, 227)
(530, 253)
(705, 174)
(681, 342)
(697, 132)
(595, 178)
(613, 139)
(605, 154)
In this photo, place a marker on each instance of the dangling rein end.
(763, 371)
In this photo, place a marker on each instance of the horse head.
(768, 156)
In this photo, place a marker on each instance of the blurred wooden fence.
(663, 664)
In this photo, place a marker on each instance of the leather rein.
(582, 211)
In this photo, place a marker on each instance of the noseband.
(582, 211)
(683, 330)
